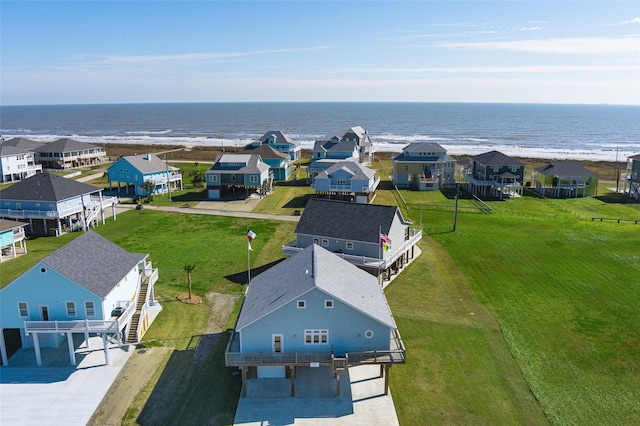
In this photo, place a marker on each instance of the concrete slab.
(361, 401)
(58, 393)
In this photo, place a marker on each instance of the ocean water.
(584, 132)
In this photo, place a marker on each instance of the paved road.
(213, 211)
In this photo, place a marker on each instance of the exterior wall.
(346, 328)
(546, 181)
(635, 171)
(122, 171)
(124, 290)
(45, 206)
(70, 159)
(483, 172)
(397, 233)
(6, 237)
(18, 166)
(38, 289)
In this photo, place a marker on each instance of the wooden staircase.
(135, 319)
(339, 364)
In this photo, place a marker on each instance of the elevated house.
(280, 142)
(278, 162)
(238, 174)
(565, 179)
(53, 205)
(17, 163)
(373, 237)
(423, 166)
(313, 310)
(353, 144)
(134, 170)
(494, 173)
(12, 233)
(361, 137)
(68, 154)
(631, 177)
(89, 286)
(347, 180)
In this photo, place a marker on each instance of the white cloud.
(493, 69)
(629, 22)
(593, 45)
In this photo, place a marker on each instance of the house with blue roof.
(89, 286)
(313, 310)
(238, 175)
(423, 166)
(347, 180)
(134, 170)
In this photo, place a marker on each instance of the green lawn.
(522, 316)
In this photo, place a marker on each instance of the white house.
(17, 163)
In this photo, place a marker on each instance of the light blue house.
(373, 237)
(278, 162)
(12, 232)
(330, 151)
(89, 286)
(238, 174)
(347, 180)
(133, 170)
(53, 205)
(424, 166)
(313, 310)
(280, 142)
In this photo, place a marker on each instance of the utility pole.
(455, 213)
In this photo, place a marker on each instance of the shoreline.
(605, 169)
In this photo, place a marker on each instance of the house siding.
(346, 328)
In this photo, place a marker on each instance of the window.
(253, 178)
(316, 337)
(23, 309)
(349, 246)
(514, 169)
(341, 181)
(71, 309)
(213, 178)
(406, 168)
(328, 304)
(316, 241)
(496, 169)
(368, 334)
(325, 242)
(302, 304)
(90, 309)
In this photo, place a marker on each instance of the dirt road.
(144, 362)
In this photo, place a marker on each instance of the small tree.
(198, 179)
(148, 186)
(188, 268)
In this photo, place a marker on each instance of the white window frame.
(73, 307)
(341, 181)
(325, 242)
(316, 337)
(26, 310)
(329, 304)
(301, 304)
(90, 311)
(349, 245)
(253, 178)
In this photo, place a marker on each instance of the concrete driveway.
(361, 401)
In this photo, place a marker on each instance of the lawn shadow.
(616, 198)
(193, 391)
(191, 196)
(242, 277)
(299, 202)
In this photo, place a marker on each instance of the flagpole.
(249, 261)
(380, 254)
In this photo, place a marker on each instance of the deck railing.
(233, 357)
(78, 326)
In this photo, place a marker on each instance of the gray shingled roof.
(10, 224)
(496, 158)
(23, 143)
(357, 170)
(93, 262)
(314, 267)
(64, 145)
(6, 150)
(281, 138)
(46, 187)
(254, 163)
(424, 147)
(344, 220)
(635, 157)
(264, 151)
(565, 169)
(148, 163)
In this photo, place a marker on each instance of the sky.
(82, 52)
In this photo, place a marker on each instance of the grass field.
(527, 315)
